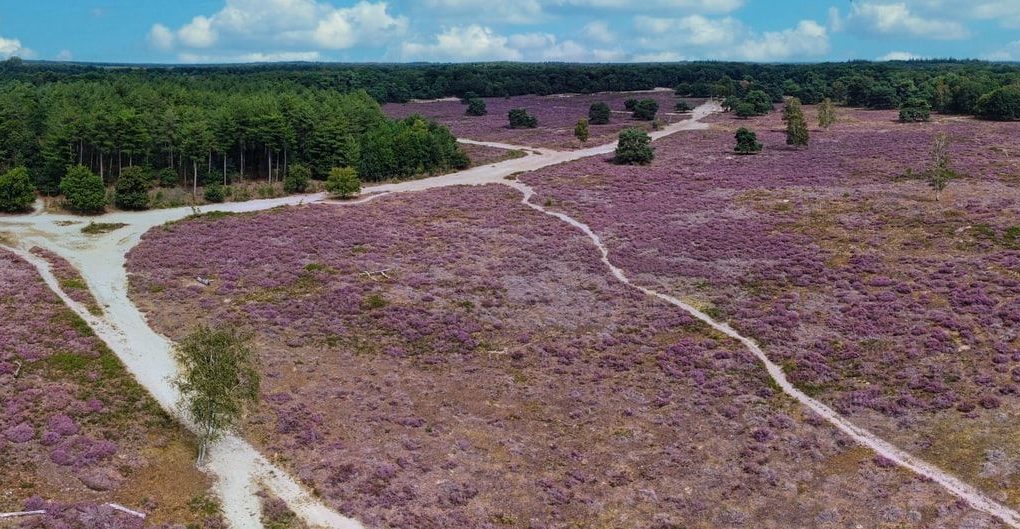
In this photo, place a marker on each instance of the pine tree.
(747, 142)
(796, 127)
(581, 130)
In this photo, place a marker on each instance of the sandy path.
(238, 466)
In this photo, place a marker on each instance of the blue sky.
(187, 31)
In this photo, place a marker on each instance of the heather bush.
(17, 193)
(83, 190)
(634, 148)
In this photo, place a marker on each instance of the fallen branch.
(125, 510)
(20, 514)
(371, 275)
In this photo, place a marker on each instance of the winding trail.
(239, 468)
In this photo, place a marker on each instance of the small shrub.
(683, 106)
(297, 178)
(630, 105)
(16, 191)
(168, 178)
(599, 113)
(634, 148)
(581, 131)
(747, 142)
(915, 110)
(826, 113)
(83, 190)
(520, 119)
(646, 109)
(132, 189)
(215, 192)
(796, 127)
(343, 182)
(476, 107)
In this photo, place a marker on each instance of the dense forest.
(254, 121)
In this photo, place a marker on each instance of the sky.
(222, 31)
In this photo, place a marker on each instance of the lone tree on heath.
(634, 148)
(16, 191)
(520, 119)
(915, 110)
(796, 127)
(747, 142)
(630, 104)
(83, 190)
(939, 173)
(219, 381)
(646, 109)
(476, 107)
(826, 113)
(132, 189)
(343, 182)
(598, 113)
(581, 130)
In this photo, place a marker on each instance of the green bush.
(1002, 104)
(343, 182)
(683, 106)
(132, 189)
(634, 148)
(646, 109)
(16, 191)
(745, 110)
(476, 107)
(520, 119)
(915, 110)
(83, 190)
(761, 102)
(747, 142)
(599, 113)
(630, 105)
(214, 192)
(297, 178)
(168, 178)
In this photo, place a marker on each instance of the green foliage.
(219, 380)
(939, 172)
(683, 106)
(744, 110)
(826, 113)
(98, 228)
(599, 113)
(915, 110)
(343, 182)
(796, 127)
(17, 192)
(520, 119)
(214, 192)
(630, 105)
(1002, 104)
(634, 148)
(407, 148)
(761, 102)
(646, 109)
(297, 178)
(168, 177)
(83, 190)
(581, 131)
(476, 107)
(747, 142)
(132, 189)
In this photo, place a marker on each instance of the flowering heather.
(874, 297)
(70, 280)
(484, 155)
(496, 375)
(556, 115)
(73, 424)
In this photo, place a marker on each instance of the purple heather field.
(497, 376)
(556, 114)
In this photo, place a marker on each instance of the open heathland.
(557, 115)
(76, 431)
(454, 358)
(897, 310)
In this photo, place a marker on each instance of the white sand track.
(238, 467)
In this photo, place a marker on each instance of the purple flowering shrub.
(452, 358)
(73, 423)
(875, 299)
(556, 114)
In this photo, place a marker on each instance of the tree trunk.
(194, 189)
(224, 169)
(269, 155)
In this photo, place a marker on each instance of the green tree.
(297, 178)
(599, 113)
(796, 127)
(1001, 104)
(826, 113)
(520, 119)
(83, 190)
(744, 110)
(132, 189)
(915, 110)
(646, 109)
(17, 193)
(747, 142)
(476, 107)
(219, 381)
(630, 105)
(634, 148)
(683, 106)
(168, 177)
(214, 191)
(939, 172)
(581, 131)
(343, 182)
(761, 102)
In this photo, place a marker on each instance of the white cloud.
(900, 20)
(12, 47)
(514, 11)
(598, 31)
(899, 56)
(1006, 12)
(470, 43)
(266, 30)
(65, 55)
(690, 6)
(661, 56)
(286, 56)
(1011, 52)
(728, 38)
